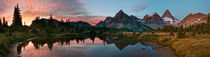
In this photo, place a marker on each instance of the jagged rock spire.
(168, 14)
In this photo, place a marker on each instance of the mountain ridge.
(193, 19)
(123, 21)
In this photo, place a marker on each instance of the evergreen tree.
(193, 33)
(208, 20)
(134, 33)
(17, 19)
(62, 21)
(51, 22)
(1, 28)
(37, 18)
(139, 33)
(208, 25)
(51, 17)
(0, 23)
(180, 34)
(4, 22)
(171, 34)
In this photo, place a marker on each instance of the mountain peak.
(121, 14)
(154, 13)
(167, 13)
(121, 11)
(167, 17)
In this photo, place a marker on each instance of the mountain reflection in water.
(84, 47)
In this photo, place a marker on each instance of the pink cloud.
(32, 8)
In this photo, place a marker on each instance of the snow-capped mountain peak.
(167, 17)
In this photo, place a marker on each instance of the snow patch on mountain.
(168, 19)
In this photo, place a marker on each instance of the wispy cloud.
(139, 7)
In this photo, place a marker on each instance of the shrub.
(171, 34)
(180, 34)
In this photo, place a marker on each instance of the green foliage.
(169, 28)
(180, 34)
(134, 33)
(193, 33)
(4, 22)
(152, 32)
(171, 34)
(208, 20)
(139, 33)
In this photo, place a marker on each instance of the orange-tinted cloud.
(43, 8)
(93, 20)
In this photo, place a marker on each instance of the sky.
(94, 11)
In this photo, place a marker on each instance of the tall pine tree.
(0, 23)
(4, 22)
(208, 20)
(17, 19)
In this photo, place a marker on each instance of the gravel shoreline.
(162, 51)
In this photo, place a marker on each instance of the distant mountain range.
(123, 21)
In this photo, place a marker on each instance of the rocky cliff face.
(123, 21)
(154, 21)
(193, 19)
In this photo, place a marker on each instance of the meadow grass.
(190, 46)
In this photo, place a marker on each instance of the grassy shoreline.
(6, 41)
(191, 46)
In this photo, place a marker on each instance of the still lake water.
(85, 47)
